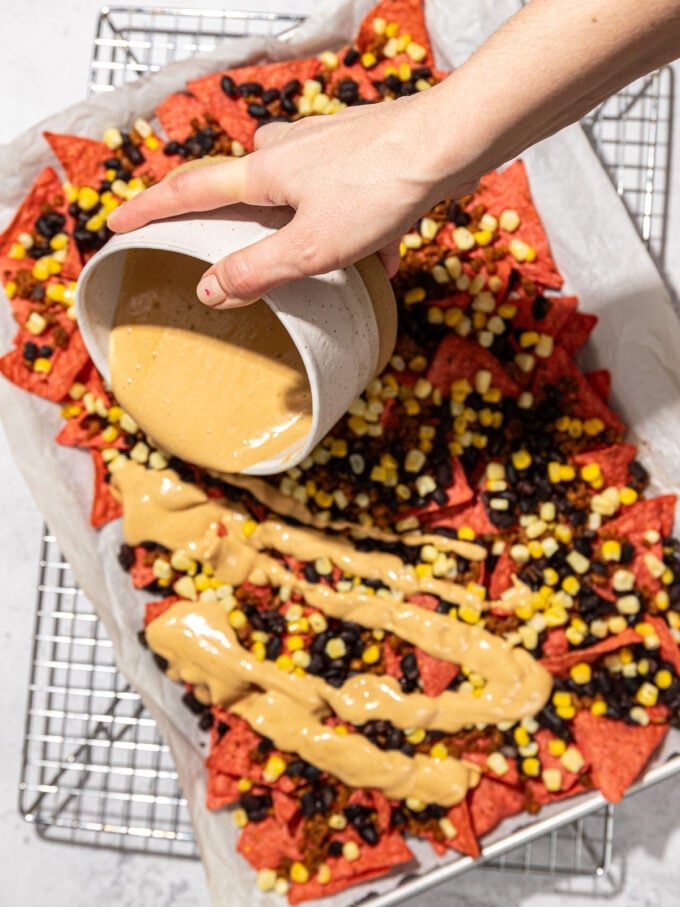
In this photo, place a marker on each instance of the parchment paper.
(596, 246)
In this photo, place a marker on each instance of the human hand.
(356, 181)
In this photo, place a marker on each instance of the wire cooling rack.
(95, 769)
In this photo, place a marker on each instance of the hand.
(356, 180)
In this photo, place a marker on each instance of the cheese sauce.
(221, 389)
(201, 648)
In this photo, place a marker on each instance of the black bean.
(335, 848)
(368, 834)
(265, 746)
(311, 772)
(229, 86)
(351, 57)
(141, 639)
(409, 665)
(308, 804)
(289, 106)
(627, 552)
(421, 72)
(540, 308)
(456, 214)
(133, 154)
(126, 557)
(253, 89)
(272, 94)
(45, 352)
(206, 720)
(161, 662)
(171, 148)
(258, 111)
(291, 88)
(326, 796)
(398, 818)
(48, 225)
(30, 351)
(190, 701)
(638, 471)
(273, 648)
(222, 729)
(310, 574)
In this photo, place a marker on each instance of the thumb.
(242, 277)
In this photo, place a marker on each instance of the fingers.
(245, 275)
(391, 258)
(200, 189)
(270, 133)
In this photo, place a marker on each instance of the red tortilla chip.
(613, 462)
(539, 793)
(66, 364)
(285, 807)
(435, 673)
(501, 578)
(669, 649)
(559, 311)
(576, 331)
(617, 752)
(105, 507)
(509, 188)
(141, 573)
(158, 606)
(458, 358)
(177, 114)
(231, 754)
(578, 396)
(548, 761)
(491, 802)
(85, 431)
(556, 643)
(652, 513)
(479, 758)
(391, 850)
(457, 493)
(232, 113)
(221, 790)
(409, 16)
(45, 193)
(561, 664)
(82, 158)
(265, 844)
(473, 516)
(465, 840)
(601, 382)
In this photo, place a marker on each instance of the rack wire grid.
(95, 769)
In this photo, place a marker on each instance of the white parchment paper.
(595, 245)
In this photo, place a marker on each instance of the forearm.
(547, 67)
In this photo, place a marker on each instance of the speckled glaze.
(330, 318)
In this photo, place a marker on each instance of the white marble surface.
(647, 833)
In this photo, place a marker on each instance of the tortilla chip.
(177, 114)
(576, 331)
(579, 399)
(560, 665)
(511, 777)
(501, 578)
(141, 573)
(559, 311)
(458, 358)
(409, 16)
(232, 113)
(391, 850)
(617, 752)
(457, 493)
(105, 507)
(265, 844)
(613, 462)
(491, 802)
(85, 431)
(231, 754)
(156, 165)
(45, 193)
(285, 807)
(82, 158)
(435, 673)
(539, 793)
(221, 790)
(158, 606)
(473, 516)
(601, 382)
(548, 761)
(509, 188)
(669, 649)
(66, 364)
(652, 513)
(465, 840)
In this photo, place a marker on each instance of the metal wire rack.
(95, 770)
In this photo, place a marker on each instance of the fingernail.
(209, 290)
(112, 218)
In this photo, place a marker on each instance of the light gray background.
(43, 67)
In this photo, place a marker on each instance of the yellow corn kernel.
(581, 672)
(556, 746)
(663, 679)
(42, 365)
(368, 60)
(87, 198)
(467, 534)
(593, 427)
(590, 472)
(598, 707)
(299, 872)
(531, 767)
(274, 768)
(439, 751)
(248, 528)
(561, 698)
(371, 655)
(611, 550)
(416, 736)
(628, 495)
(521, 736)
(521, 459)
(237, 619)
(283, 662)
(647, 695)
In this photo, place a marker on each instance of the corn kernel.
(531, 767)
(299, 872)
(274, 768)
